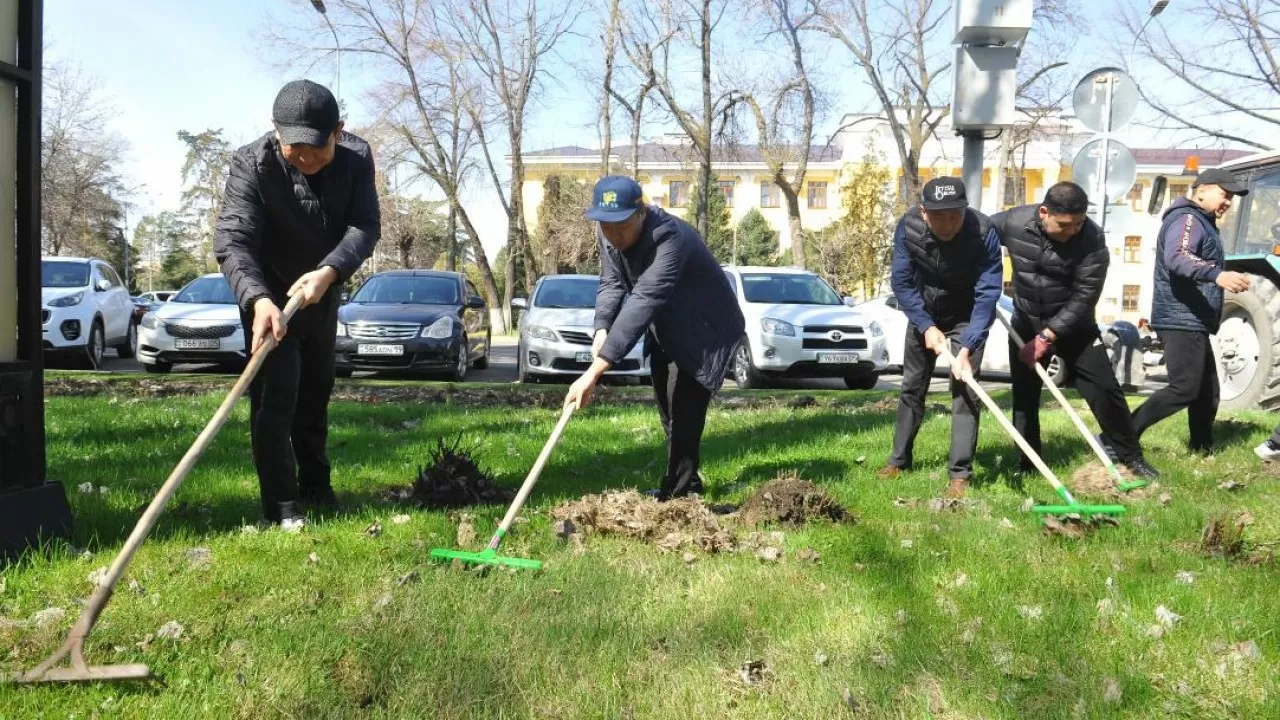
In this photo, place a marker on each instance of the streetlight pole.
(337, 48)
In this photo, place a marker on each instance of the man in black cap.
(300, 215)
(946, 278)
(1060, 260)
(659, 280)
(1187, 304)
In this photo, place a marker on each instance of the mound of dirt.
(454, 479)
(676, 524)
(1094, 480)
(790, 501)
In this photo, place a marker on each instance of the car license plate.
(837, 358)
(583, 357)
(380, 350)
(199, 344)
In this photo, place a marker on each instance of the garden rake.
(490, 556)
(1072, 505)
(73, 648)
(1121, 484)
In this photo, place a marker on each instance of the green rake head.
(1078, 509)
(1131, 485)
(489, 556)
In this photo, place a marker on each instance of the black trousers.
(918, 363)
(289, 409)
(1096, 382)
(1193, 384)
(682, 406)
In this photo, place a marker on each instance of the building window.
(1135, 197)
(1015, 189)
(1133, 249)
(817, 196)
(1130, 298)
(1177, 191)
(770, 195)
(679, 193)
(726, 191)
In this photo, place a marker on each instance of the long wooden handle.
(1013, 433)
(532, 478)
(1062, 400)
(103, 592)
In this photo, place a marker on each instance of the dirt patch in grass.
(454, 479)
(672, 525)
(1224, 536)
(1094, 480)
(1075, 526)
(790, 501)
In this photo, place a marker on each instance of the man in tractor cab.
(1187, 304)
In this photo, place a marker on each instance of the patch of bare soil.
(672, 525)
(1076, 526)
(790, 501)
(454, 479)
(1094, 480)
(1225, 537)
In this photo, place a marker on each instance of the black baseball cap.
(305, 112)
(1223, 179)
(616, 198)
(944, 193)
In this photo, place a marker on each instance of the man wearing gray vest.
(946, 278)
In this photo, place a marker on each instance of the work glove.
(1035, 350)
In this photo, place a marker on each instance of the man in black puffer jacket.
(946, 279)
(300, 216)
(1187, 304)
(1060, 260)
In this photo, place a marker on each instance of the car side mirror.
(1156, 202)
(345, 298)
(891, 302)
(102, 286)
(519, 303)
(1275, 232)
(849, 301)
(475, 302)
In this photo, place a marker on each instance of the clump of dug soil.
(1223, 536)
(680, 523)
(790, 501)
(454, 479)
(1094, 480)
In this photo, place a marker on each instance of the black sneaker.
(1139, 466)
(291, 517)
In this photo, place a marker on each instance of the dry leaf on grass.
(1232, 486)
(48, 616)
(466, 535)
(171, 630)
(400, 519)
(1111, 693)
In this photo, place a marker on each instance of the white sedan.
(201, 324)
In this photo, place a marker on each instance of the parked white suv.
(84, 309)
(799, 327)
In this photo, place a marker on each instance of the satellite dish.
(1090, 101)
(1121, 168)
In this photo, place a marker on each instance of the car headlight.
(774, 326)
(67, 300)
(342, 329)
(876, 330)
(151, 322)
(542, 333)
(440, 329)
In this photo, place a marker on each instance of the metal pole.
(1104, 161)
(972, 169)
(337, 48)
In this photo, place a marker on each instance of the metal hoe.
(73, 648)
(1072, 505)
(1122, 484)
(490, 556)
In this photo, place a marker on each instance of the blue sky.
(192, 65)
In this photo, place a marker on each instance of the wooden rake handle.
(532, 478)
(74, 644)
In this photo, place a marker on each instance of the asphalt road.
(502, 369)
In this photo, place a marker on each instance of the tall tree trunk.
(707, 117)
(606, 99)
(451, 229)
(793, 224)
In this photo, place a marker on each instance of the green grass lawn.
(908, 614)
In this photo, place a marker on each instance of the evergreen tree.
(719, 230)
(757, 240)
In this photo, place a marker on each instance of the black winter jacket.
(670, 285)
(272, 229)
(1055, 284)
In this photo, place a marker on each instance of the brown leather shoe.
(957, 487)
(889, 472)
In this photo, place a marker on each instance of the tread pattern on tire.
(1269, 296)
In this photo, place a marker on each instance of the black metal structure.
(31, 508)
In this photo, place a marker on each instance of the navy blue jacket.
(947, 283)
(669, 284)
(1189, 258)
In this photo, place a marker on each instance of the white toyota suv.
(798, 327)
(84, 309)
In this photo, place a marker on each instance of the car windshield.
(207, 290)
(788, 289)
(408, 290)
(579, 293)
(63, 274)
